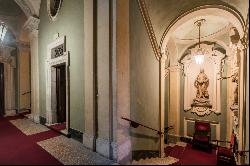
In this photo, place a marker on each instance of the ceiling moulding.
(29, 7)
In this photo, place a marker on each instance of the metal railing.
(136, 124)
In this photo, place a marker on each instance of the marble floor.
(72, 152)
(28, 127)
(65, 150)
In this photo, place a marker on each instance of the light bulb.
(199, 59)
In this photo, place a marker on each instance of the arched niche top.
(232, 15)
(216, 49)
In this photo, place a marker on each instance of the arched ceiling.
(164, 12)
(29, 7)
(13, 16)
(212, 25)
(9, 8)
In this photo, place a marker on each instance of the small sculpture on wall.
(201, 84)
(235, 79)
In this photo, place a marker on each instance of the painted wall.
(69, 23)
(144, 84)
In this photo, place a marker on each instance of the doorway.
(2, 106)
(61, 93)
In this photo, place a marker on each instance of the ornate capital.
(31, 24)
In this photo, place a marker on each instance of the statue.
(201, 84)
(235, 106)
(235, 80)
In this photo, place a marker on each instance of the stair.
(156, 161)
(173, 153)
(175, 150)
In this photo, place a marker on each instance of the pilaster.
(31, 25)
(174, 109)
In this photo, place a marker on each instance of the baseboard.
(42, 120)
(88, 140)
(75, 134)
(122, 152)
(102, 147)
(10, 112)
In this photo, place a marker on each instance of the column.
(31, 26)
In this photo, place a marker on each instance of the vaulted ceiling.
(11, 14)
(212, 25)
(9, 8)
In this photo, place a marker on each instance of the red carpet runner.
(190, 156)
(58, 127)
(16, 148)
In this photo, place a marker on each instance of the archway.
(236, 20)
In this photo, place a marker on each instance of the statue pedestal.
(201, 106)
(201, 102)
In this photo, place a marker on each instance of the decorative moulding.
(31, 24)
(49, 68)
(24, 5)
(53, 8)
(213, 60)
(202, 111)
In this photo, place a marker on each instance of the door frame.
(60, 88)
(49, 65)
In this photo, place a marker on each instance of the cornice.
(149, 28)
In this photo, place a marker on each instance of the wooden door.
(61, 93)
(2, 107)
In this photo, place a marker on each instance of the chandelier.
(199, 53)
(3, 30)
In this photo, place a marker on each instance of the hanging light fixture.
(3, 30)
(199, 54)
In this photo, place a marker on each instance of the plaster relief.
(202, 84)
